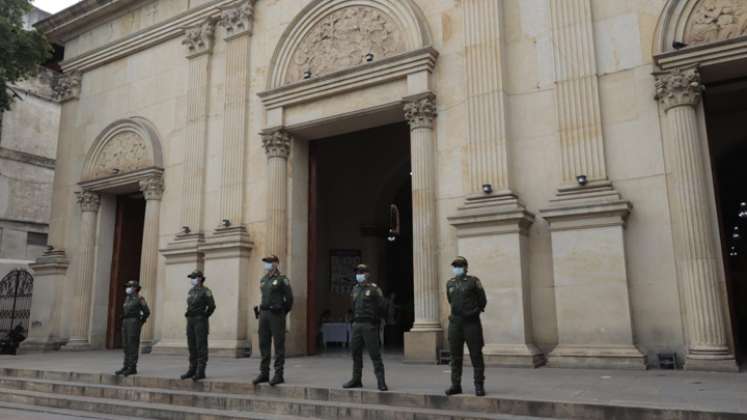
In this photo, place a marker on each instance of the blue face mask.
(458, 271)
(268, 266)
(360, 278)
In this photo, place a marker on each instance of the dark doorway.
(128, 241)
(358, 182)
(726, 113)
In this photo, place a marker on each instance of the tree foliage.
(21, 51)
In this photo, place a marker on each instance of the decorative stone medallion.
(716, 20)
(125, 152)
(345, 38)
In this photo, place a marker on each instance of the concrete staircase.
(167, 398)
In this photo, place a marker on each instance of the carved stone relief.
(125, 152)
(67, 86)
(199, 39)
(344, 39)
(716, 20)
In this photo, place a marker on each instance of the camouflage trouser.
(271, 330)
(470, 331)
(131, 341)
(197, 340)
(366, 335)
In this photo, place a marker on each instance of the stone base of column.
(45, 332)
(39, 345)
(492, 235)
(79, 345)
(513, 355)
(146, 346)
(590, 356)
(725, 363)
(592, 300)
(423, 346)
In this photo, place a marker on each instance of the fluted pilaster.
(237, 23)
(277, 144)
(420, 112)
(152, 188)
(198, 41)
(577, 91)
(679, 92)
(488, 160)
(83, 282)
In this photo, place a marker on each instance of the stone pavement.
(652, 388)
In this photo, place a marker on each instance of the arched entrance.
(701, 51)
(343, 67)
(121, 188)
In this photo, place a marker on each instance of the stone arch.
(697, 22)
(333, 35)
(124, 146)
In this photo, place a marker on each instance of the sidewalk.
(653, 388)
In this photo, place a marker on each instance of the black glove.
(256, 312)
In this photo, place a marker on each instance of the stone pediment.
(716, 20)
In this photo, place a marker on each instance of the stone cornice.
(28, 158)
(371, 74)
(63, 25)
(143, 39)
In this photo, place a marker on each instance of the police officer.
(134, 314)
(200, 305)
(369, 307)
(467, 299)
(277, 301)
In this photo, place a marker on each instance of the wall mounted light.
(742, 210)
(307, 74)
(733, 251)
(582, 180)
(393, 232)
(487, 188)
(186, 229)
(225, 223)
(115, 171)
(369, 57)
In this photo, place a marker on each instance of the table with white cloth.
(336, 332)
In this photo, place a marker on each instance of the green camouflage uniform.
(467, 299)
(200, 305)
(277, 301)
(134, 314)
(369, 307)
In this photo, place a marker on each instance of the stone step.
(493, 405)
(130, 409)
(50, 412)
(251, 402)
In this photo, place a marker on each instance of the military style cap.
(132, 283)
(459, 262)
(196, 274)
(361, 268)
(271, 259)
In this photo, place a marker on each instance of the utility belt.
(131, 316)
(271, 308)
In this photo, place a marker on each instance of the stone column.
(277, 145)
(227, 248)
(152, 188)
(492, 224)
(83, 281)
(697, 258)
(183, 254)
(587, 217)
(423, 341)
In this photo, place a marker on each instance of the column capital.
(152, 187)
(67, 86)
(89, 201)
(679, 87)
(420, 110)
(237, 19)
(277, 143)
(199, 38)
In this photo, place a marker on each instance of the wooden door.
(128, 241)
(312, 321)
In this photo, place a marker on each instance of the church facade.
(581, 154)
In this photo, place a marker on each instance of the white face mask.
(360, 278)
(268, 266)
(458, 271)
(130, 290)
(195, 281)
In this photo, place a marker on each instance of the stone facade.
(508, 102)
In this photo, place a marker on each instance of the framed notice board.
(342, 262)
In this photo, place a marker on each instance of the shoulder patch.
(285, 281)
(208, 293)
(477, 283)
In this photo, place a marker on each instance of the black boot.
(121, 371)
(199, 373)
(190, 373)
(479, 389)
(277, 379)
(129, 371)
(455, 389)
(353, 383)
(381, 383)
(263, 377)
